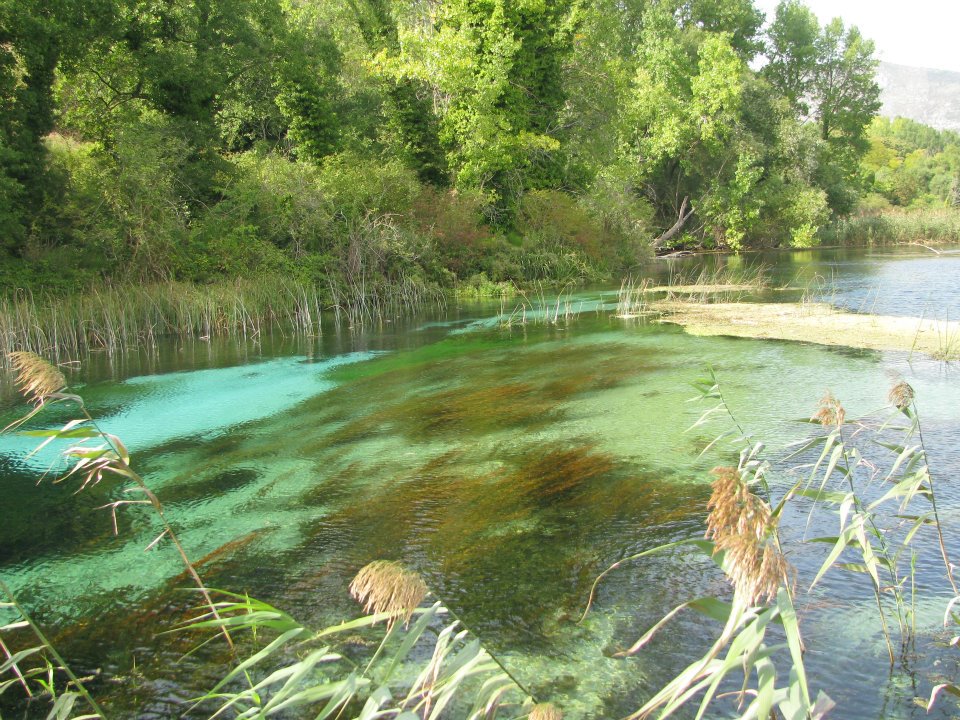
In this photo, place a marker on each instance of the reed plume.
(545, 711)
(741, 526)
(384, 586)
(901, 395)
(36, 378)
(829, 411)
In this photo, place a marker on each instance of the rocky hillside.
(928, 96)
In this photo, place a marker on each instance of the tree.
(496, 69)
(828, 76)
(845, 89)
(681, 131)
(34, 37)
(409, 115)
(792, 53)
(738, 18)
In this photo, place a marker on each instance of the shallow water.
(508, 466)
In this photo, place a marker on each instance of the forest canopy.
(197, 139)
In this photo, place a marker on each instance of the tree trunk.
(669, 234)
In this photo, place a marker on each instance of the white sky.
(922, 33)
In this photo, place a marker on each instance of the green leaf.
(831, 496)
(791, 627)
(842, 541)
(708, 606)
(16, 657)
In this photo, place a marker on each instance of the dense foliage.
(196, 139)
(911, 165)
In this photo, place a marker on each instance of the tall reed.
(928, 225)
(117, 318)
(879, 513)
(295, 668)
(631, 298)
(535, 307)
(742, 538)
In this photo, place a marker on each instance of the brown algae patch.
(816, 323)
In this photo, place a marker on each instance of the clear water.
(508, 466)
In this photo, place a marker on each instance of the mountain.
(928, 96)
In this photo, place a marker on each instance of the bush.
(454, 222)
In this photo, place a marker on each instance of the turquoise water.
(509, 466)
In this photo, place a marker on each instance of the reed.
(743, 540)
(92, 455)
(928, 225)
(363, 300)
(537, 308)
(880, 513)
(631, 298)
(420, 669)
(388, 587)
(117, 318)
(717, 285)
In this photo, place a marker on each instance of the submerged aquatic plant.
(459, 672)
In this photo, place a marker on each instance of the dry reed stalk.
(741, 526)
(36, 378)
(545, 711)
(901, 395)
(384, 586)
(829, 411)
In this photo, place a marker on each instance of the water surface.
(509, 466)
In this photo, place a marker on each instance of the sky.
(922, 33)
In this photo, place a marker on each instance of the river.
(508, 465)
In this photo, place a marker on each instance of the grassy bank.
(931, 225)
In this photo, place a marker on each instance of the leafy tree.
(740, 19)
(496, 68)
(828, 76)
(680, 130)
(845, 89)
(792, 53)
(34, 37)
(409, 113)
